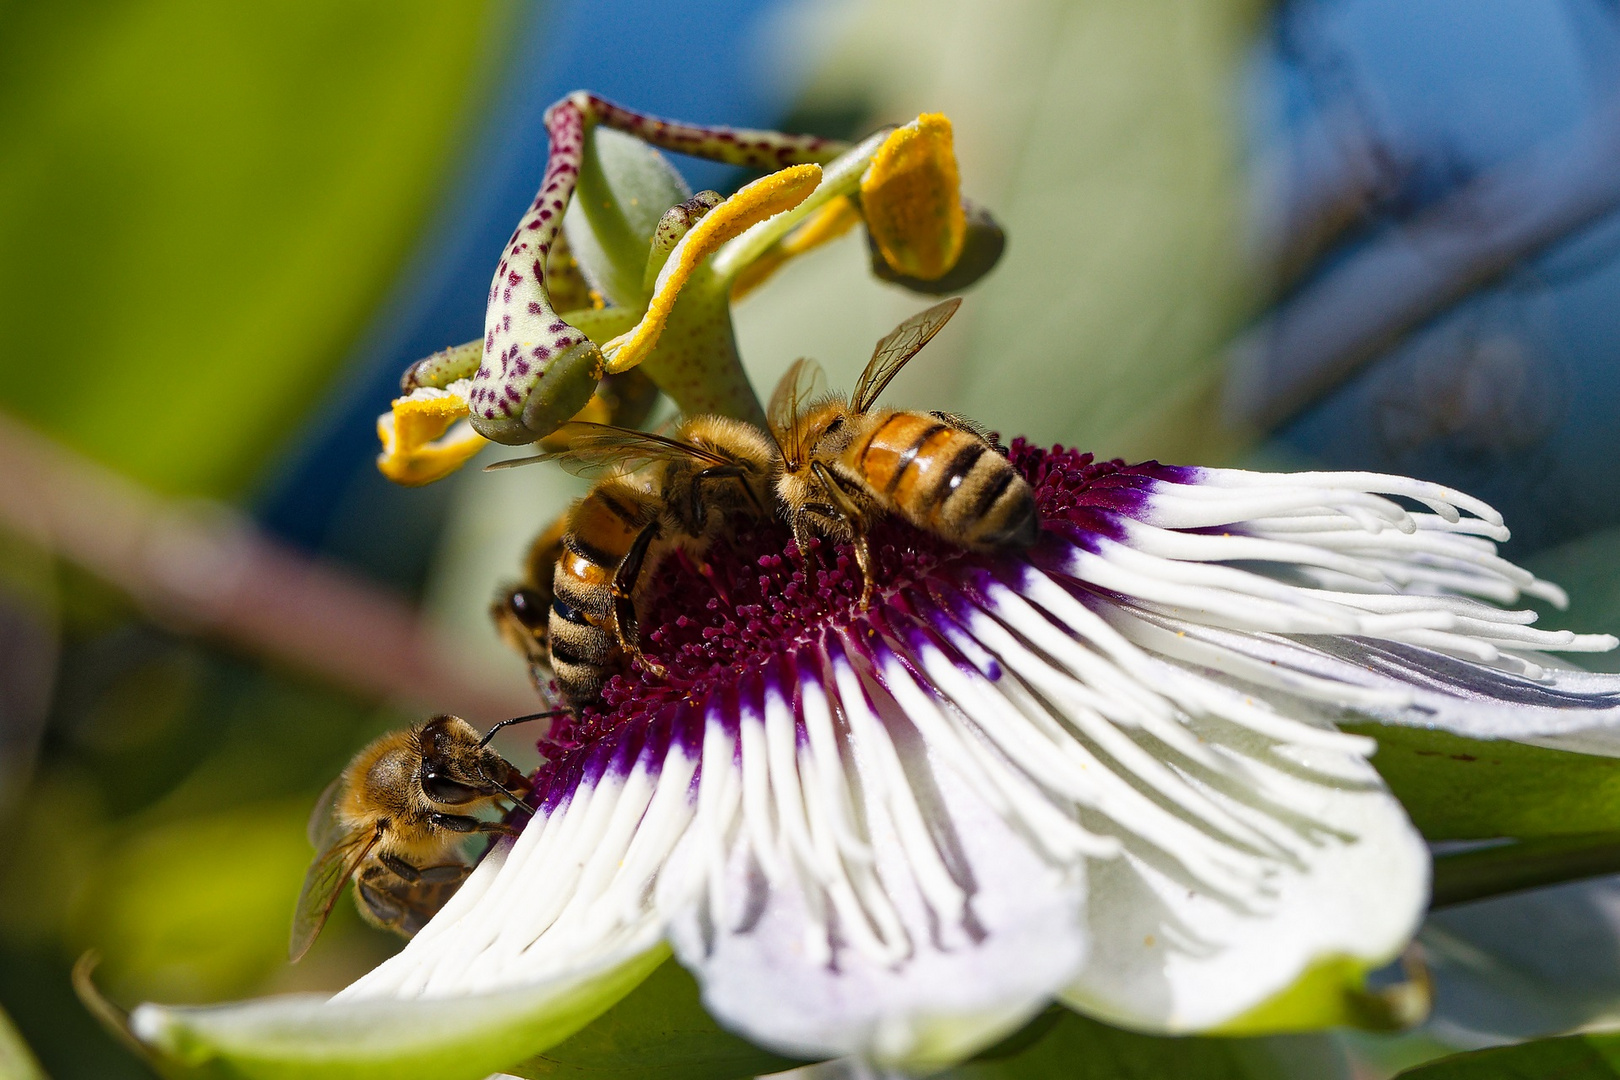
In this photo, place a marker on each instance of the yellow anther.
(825, 225)
(426, 436)
(753, 203)
(913, 201)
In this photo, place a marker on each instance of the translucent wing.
(800, 385)
(331, 870)
(901, 344)
(597, 447)
(323, 820)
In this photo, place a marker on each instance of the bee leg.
(461, 823)
(444, 874)
(802, 532)
(400, 867)
(624, 605)
(845, 508)
(721, 472)
(381, 907)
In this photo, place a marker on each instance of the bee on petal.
(393, 822)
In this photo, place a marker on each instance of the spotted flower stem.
(747, 147)
(525, 340)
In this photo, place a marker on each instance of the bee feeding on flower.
(893, 735)
(392, 822)
(828, 465)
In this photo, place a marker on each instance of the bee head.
(522, 616)
(456, 770)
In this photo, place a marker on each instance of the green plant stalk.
(1523, 864)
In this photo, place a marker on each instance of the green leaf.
(16, 1061)
(1467, 789)
(200, 206)
(660, 1031)
(1465, 876)
(1571, 1057)
(308, 1037)
(624, 188)
(196, 908)
(1068, 1046)
(1586, 568)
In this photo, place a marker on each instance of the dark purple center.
(754, 599)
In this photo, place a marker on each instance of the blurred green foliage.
(1067, 1046)
(1106, 138)
(200, 207)
(1586, 568)
(200, 203)
(1574, 1057)
(659, 1030)
(16, 1062)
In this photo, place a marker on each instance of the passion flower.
(1103, 772)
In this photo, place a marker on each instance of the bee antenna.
(490, 734)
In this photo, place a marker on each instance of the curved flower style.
(654, 270)
(1105, 772)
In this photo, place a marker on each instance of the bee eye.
(442, 789)
(528, 606)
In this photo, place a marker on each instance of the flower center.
(753, 597)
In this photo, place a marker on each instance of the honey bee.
(842, 460)
(522, 612)
(666, 494)
(393, 820)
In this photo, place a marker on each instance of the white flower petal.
(819, 864)
(1327, 597)
(464, 1038)
(1269, 849)
(572, 891)
(941, 932)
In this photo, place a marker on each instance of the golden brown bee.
(667, 494)
(842, 460)
(522, 612)
(393, 822)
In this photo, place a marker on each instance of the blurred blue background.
(1386, 115)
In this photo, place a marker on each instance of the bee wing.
(801, 384)
(323, 820)
(598, 447)
(898, 347)
(331, 870)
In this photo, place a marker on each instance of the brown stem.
(209, 570)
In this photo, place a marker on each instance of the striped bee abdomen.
(946, 479)
(602, 527)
